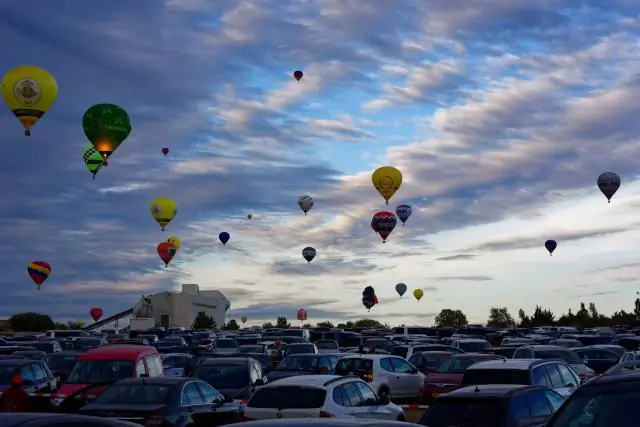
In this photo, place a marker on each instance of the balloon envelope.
(369, 298)
(403, 212)
(96, 313)
(551, 246)
(386, 180)
(163, 210)
(92, 159)
(106, 127)
(298, 75)
(309, 253)
(166, 252)
(401, 289)
(39, 271)
(243, 319)
(305, 203)
(418, 294)
(176, 241)
(383, 223)
(608, 183)
(224, 237)
(165, 151)
(249, 216)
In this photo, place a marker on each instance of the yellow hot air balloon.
(387, 180)
(418, 294)
(163, 210)
(176, 241)
(29, 92)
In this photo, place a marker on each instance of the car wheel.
(401, 418)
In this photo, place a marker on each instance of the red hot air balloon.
(96, 313)
(166, 251)
(165, 151)
(298, 75)
(383, 223)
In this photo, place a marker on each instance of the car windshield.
(297, 363)
(288, 398)
(401, 351)
(135, 394)
(61, 363)
(473, 346)
(299, 349)
(223, 376)
(226, 344)
(7, 372)
(568, 356)
(327, 345)
(98, 371)
(434, 360)
(495, 376)
(243, 349)
(457, 365)
(598, 406)
(82, 343)
(476, 412)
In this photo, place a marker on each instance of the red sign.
(301, 314)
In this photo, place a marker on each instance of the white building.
(181, 308)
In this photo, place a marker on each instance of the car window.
(555, 400)
(38, 371)
(625, 357)
(569, 379)
(520, 353)
(540, 376)
(447, 412)
(353, 365)
(369, 398)
(136, 394)
(520, 407)
(554, 375)
(386, 364)
(538, 404)
(338, 397)
(254, 373)
(191, 395)
(352, 394)
(326, 363)
(140, 369)
(27, 373)
(416, 359)
(170, 362)
(607, 355)
(209, 393)
(401, 366)
(151, 364)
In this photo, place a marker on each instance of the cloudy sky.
(500, 114)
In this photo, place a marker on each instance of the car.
(225, 345)
(619, 350)
(46, 346)
(555, 352)
(428, 361)
(164, 401)
(61, 363)
(554, 374)
(327, 346)
(318, 422)
(503, 405)
(10, 349)
(36, 376)
(471, 345)
(598, 359)
(234, 377)
(304, 364)
(610, 399)
(386, 374)
(149, 337)
(449, 374)
(32, 354)
(32, 419)
(250, 348)
(299, 348)
(408, 350)
(174, 363)
(503, 351)
(87, 343)
(320, 396)
(567, 343)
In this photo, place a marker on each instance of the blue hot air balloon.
(551, 246)
(403, 212)
(224, 237)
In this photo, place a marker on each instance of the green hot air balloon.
(92, 159)
(106, 127)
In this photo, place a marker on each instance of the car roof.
(514, 364)
(126, 351)
(489, 390)
(15, 362)
(368, 356)
(488, 356)
(544, 347)
(471, 339)
(306, 380)
(307, 355)
(66, 353)
(435, 353)
(154, 380)
(625, 376)
(233, 360)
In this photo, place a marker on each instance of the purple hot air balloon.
(551, 246)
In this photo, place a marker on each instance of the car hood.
(436, 378)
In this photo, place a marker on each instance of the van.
(112, 363)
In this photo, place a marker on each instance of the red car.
(448, 375)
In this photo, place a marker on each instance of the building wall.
(183, 307)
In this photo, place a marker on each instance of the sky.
(500, 114)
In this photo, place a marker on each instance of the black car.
(598, 359)
(62, 363)
(303, 364)
(10, 349)
(428, 361)
(32, 354)
(299, 348)
(493, 405)
(164, 401)
(36, 376)
(610, 399)
(30, 419)
(87, 343)
(235, 377)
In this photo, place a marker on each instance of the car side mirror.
(259, 382)
(571, 385)
(217, 401)
(384, 400)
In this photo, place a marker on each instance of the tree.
(450, 317)
(281, 322)
(542, 317)
(326, 324)
(582, 316)
(202, 321)
(307, 326)
(267, 325)
(59, 326)
(499, 317)
(636, 308)
(525, 321)
(75, 324)
(232, 325)
(367, 323)
(30, 322)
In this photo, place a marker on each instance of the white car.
(174, 363)
(320, 396)
(386, 374)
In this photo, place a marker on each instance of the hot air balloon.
(249, 216)
(165, 151)
(401, 289)
(418, 294)
(92, 159)
(298, 75)
(224, 237)
(243, 319)
(369, 298)
(29, 92)
(166, 252)
(403, 212)
(163, 210)
(608, 183)
(176, 242)
(39, 272)
(373, 225)
(551, 246)
(306, 203)
(96, 313)
(106, 127)
(383, 223)
(387, 180)
(309, 254)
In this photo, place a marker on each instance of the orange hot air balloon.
(166, 252)
(298, 75)
(96, 313)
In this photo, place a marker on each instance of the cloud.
(500, 114)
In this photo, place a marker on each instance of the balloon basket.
(27, 132)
